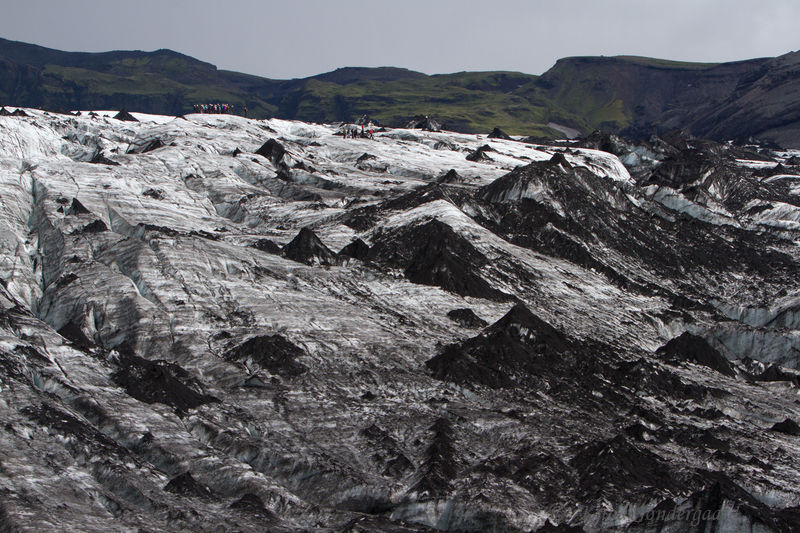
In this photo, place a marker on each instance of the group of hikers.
(354, 131)
(363, 128)
(224, 109)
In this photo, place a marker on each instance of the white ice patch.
(778, 215)
(750, 163)
(601, 163)
(141, 117)
(675, 201)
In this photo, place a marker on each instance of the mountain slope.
(167, 82)
(765, 104)
(635, 95)
(162, 81)
(641, 95)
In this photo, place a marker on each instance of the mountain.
(641, 96)
(614, 93)
(631, 95)
(166, 82)
(162, 81)
(218, 323)
(765, 104)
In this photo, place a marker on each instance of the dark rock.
(252, 504)
(788, 426)
(95, 226)
(365, 157)
(758, 371)
(709, 414)
(434, 254)
(421, 195)
(272, 150)
(497, 133)
(185, 485)
(701, 510)
(466, 318)
(5, 112)
(508, 353)
(643, 375)
(642, 433)
(480, 154)
(72, 332)
(559, 159)
(549, 527)
(764, 144)
(616, 465)
(371, 162)
(361, 219)
(19, 113)
(236, 152)
(77, 208)
(697, 438)
(307, 248)
(203, 234)
(767, 172)
(369, 523)
(542, 173)
(302, 166)
(444, 145)
(158, 381)
(438, 469)
(534, 470)
(154, 194)
(780, 169)
(357, 249)
(606, 142)
(776, 373)
(688, 165)
(389, 457)
(100, 159)
(450, 177)
(567, 213)
(155, 144)
(124, 115)
(793, 161)
(423, 122)
(267, 245)
(273, 353)
(61, 421)
(66, 279)
(694, 349)
(164, 230)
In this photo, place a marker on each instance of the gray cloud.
(297, 38)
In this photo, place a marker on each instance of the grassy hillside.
(168, 82)
(634, 95)
(474, 101)
(637, 95)
(665, 63)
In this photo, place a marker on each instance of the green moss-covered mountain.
(633, 95)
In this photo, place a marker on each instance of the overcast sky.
(298, 38)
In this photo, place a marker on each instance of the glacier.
(168, 361)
